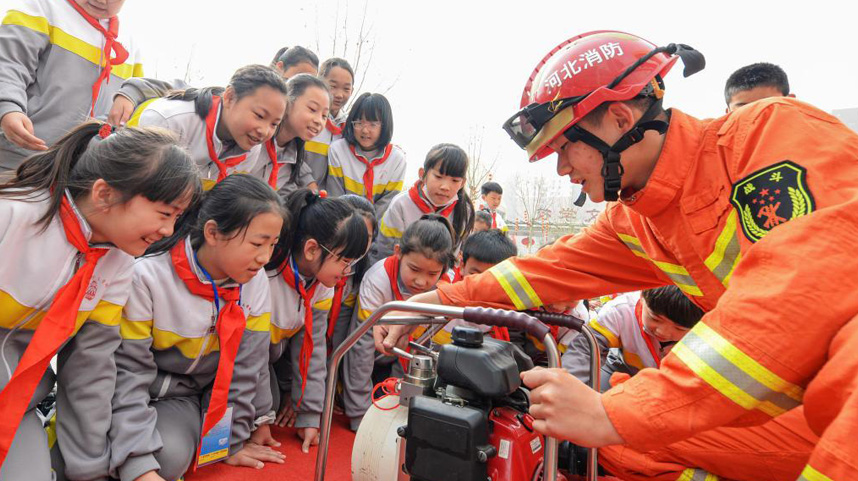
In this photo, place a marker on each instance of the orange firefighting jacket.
(754, 216)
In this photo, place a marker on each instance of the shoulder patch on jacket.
(771, 196)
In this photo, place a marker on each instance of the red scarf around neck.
(56, 327)
(230, 326)
(369, 174)
(307, 347)
(426, 207)
(391, 267)
(111, 45)
(211, 123)
(271, 148)
(336, 307)
(647, 337)
(333, 128)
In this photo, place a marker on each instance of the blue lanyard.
(214, 287)
(294, 266)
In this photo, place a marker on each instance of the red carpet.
(298, 466)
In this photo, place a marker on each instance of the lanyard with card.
(214, 446)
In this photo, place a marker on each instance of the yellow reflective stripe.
(727, 253)
(135, 330)
(316, 147)
(692, 474)
(613, 340)
(678, 274)
(515, 285)
(68, 42)
(278, 334)
(811, 474)
(735, 374)
(324, 304)
(134, 120)
(388, 231)
(259, 323)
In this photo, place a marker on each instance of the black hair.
(491, 246)
(364, 207)
(291, 56)
(451, 160)
(431, 236)
(670, 302)
(295, 88)
(483, 216)
(244, 82)
(145, 161)
(372, 107)
(332, 62)
(761, 74)
(333, 223)
(490, 187)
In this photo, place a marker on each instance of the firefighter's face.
(582, 164)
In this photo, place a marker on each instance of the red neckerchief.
(211, 121)
(230, 326)
(391, 267)
(336, 306)
(111, 45)
(333, 128)
(271, 148)
(369, 174)
(426, 207)
(56, 327)
(494, 219)
(652, 349)
(307, 345)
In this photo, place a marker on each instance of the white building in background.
(848, 117)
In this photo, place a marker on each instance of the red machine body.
(520, 448)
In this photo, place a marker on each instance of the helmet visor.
(527, 122)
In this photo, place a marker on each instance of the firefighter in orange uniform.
(753, 215)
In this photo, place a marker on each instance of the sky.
(452, 69)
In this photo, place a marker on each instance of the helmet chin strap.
(612, 169)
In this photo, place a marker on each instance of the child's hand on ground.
(262, 436)
(255, 456)
(310, 436)
(286, 416)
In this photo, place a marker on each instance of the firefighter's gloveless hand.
(566, 408)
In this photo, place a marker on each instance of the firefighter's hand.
(120, 111)
(388, 337)
(19, 130)
(262, 436)
(255, 456)
(310, 437)
(286, 416)
(565, 408)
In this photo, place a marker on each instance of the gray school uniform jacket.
(287, 336)
(169, 350)
(287, 158)
(36, 264)
(50, 57)
(345, 174)
(316, 150)
(401, 213)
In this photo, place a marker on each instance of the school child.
(71, 221)
(197, 316)
(340, 77)
(49, 83)
(643, 326)
(223, 129)
(346, 291)
(482, 221)
(283, 165)
(755, 82)
(439, 190)
(424, 253)
(291, 61)
(364, 162)
(491, 194)
(327, 239)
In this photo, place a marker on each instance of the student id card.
(214, 446)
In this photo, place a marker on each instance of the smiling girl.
(71, 221)
(340, 77)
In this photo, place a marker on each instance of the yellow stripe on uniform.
(691, 474)
(190, 347)
(259, 323)
(68, 42)
(727, 253)
(320, 148)
(515, 285)
(811, 474)
(388, 187)
(613, 340)
(135, 330)
(353, 186)
(324, 304)
(335, 171)
(278, 334)
(134, 120)
(106, 313)
(735, 374)
(678, 274)
(388, 231)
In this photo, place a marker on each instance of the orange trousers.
(775, 451)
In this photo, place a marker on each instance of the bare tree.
(479, 169)
(533, 200)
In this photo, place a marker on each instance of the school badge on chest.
(771, 196)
